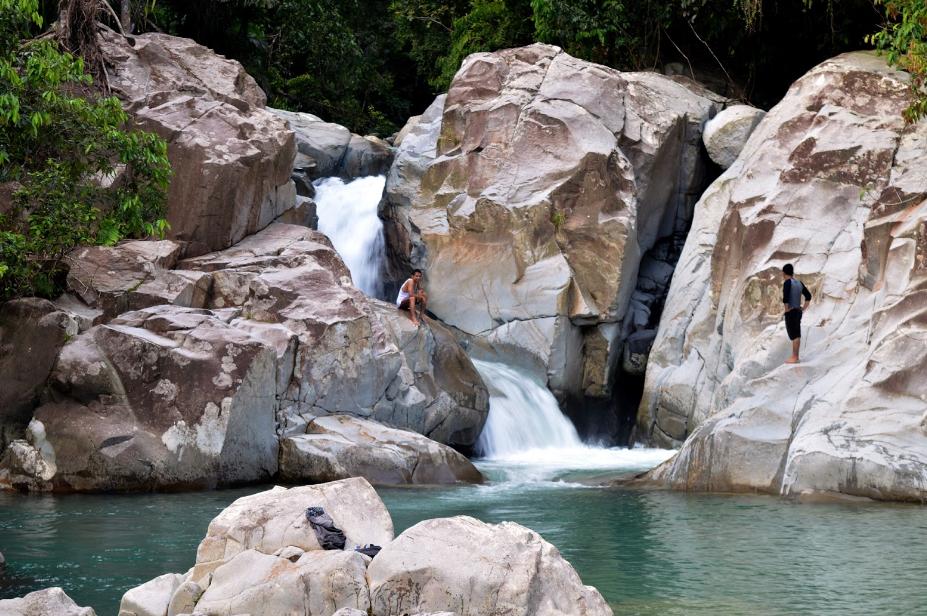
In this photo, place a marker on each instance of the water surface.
(648, 552)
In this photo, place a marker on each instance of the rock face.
(165, 396)
(133, 275)
(341, 446)
(183, 396)
(231, 158)
(32, 332)
(727, 133)
(833, 181)
(326, 149)
(349, 354)
(261, 557)
(48, 602)
(463, 564)
(531, 196)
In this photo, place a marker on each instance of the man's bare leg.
(794, 358)
(412, 310)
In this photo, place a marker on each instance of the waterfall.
(348, 216)
(523, 414)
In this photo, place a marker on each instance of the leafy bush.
(70, 171)
(904, 40)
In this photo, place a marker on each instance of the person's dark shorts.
(793, 324)
(404, 304)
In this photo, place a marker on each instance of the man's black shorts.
(793, 323)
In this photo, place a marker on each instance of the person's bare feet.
(792, 360)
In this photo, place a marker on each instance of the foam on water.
(527, 439)
(348, 216)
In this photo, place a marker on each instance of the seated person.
(412, 297)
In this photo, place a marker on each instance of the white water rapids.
(528, 437)
(348, 216)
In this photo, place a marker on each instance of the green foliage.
(489, 25)
(70, 173)
(904, 40)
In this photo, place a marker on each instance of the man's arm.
(785, 295)
(807, 295)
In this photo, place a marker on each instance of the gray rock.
(228, 154)
(530, 194)
(48, 602)
(833, 180)
(327, 149)
(166, 396)
(726, 134)
(440, 565)
(341, 446)
(133, 275)
(32, 332)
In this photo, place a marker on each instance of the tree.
(904, 39)
(71, 173)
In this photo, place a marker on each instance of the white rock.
(270, 521)
(316, 584)
(834, 181)
(726, 134)
(48, 602)
(341, 446)
(151, 598)
(443, 564)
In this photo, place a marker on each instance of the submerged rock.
(48, 602)
(530, 196)
(342, 446)
(261, 557)
(834, 181)
(231, 158)
(505, 568)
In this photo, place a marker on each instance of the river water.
(647, 552)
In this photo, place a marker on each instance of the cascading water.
(523, 414)
(348, 216)
(528, 439)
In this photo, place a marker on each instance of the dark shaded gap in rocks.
(610, 421)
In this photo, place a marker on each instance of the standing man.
(792, 292)
(412, 297)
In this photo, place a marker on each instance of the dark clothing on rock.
(330, 536)
(792, 292)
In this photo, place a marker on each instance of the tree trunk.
(125, 16)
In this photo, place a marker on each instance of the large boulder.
(133, 275)
(341, 446)
(350, 354)
(32, 332)
(152, 598)
(312, 583)
(163, 397)
(269, 522)
(175, 396)
(326, 149)
(834, 181)
(48, 602)
(530, 196)
(463, 564)
(231, 158)
(727, 133)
